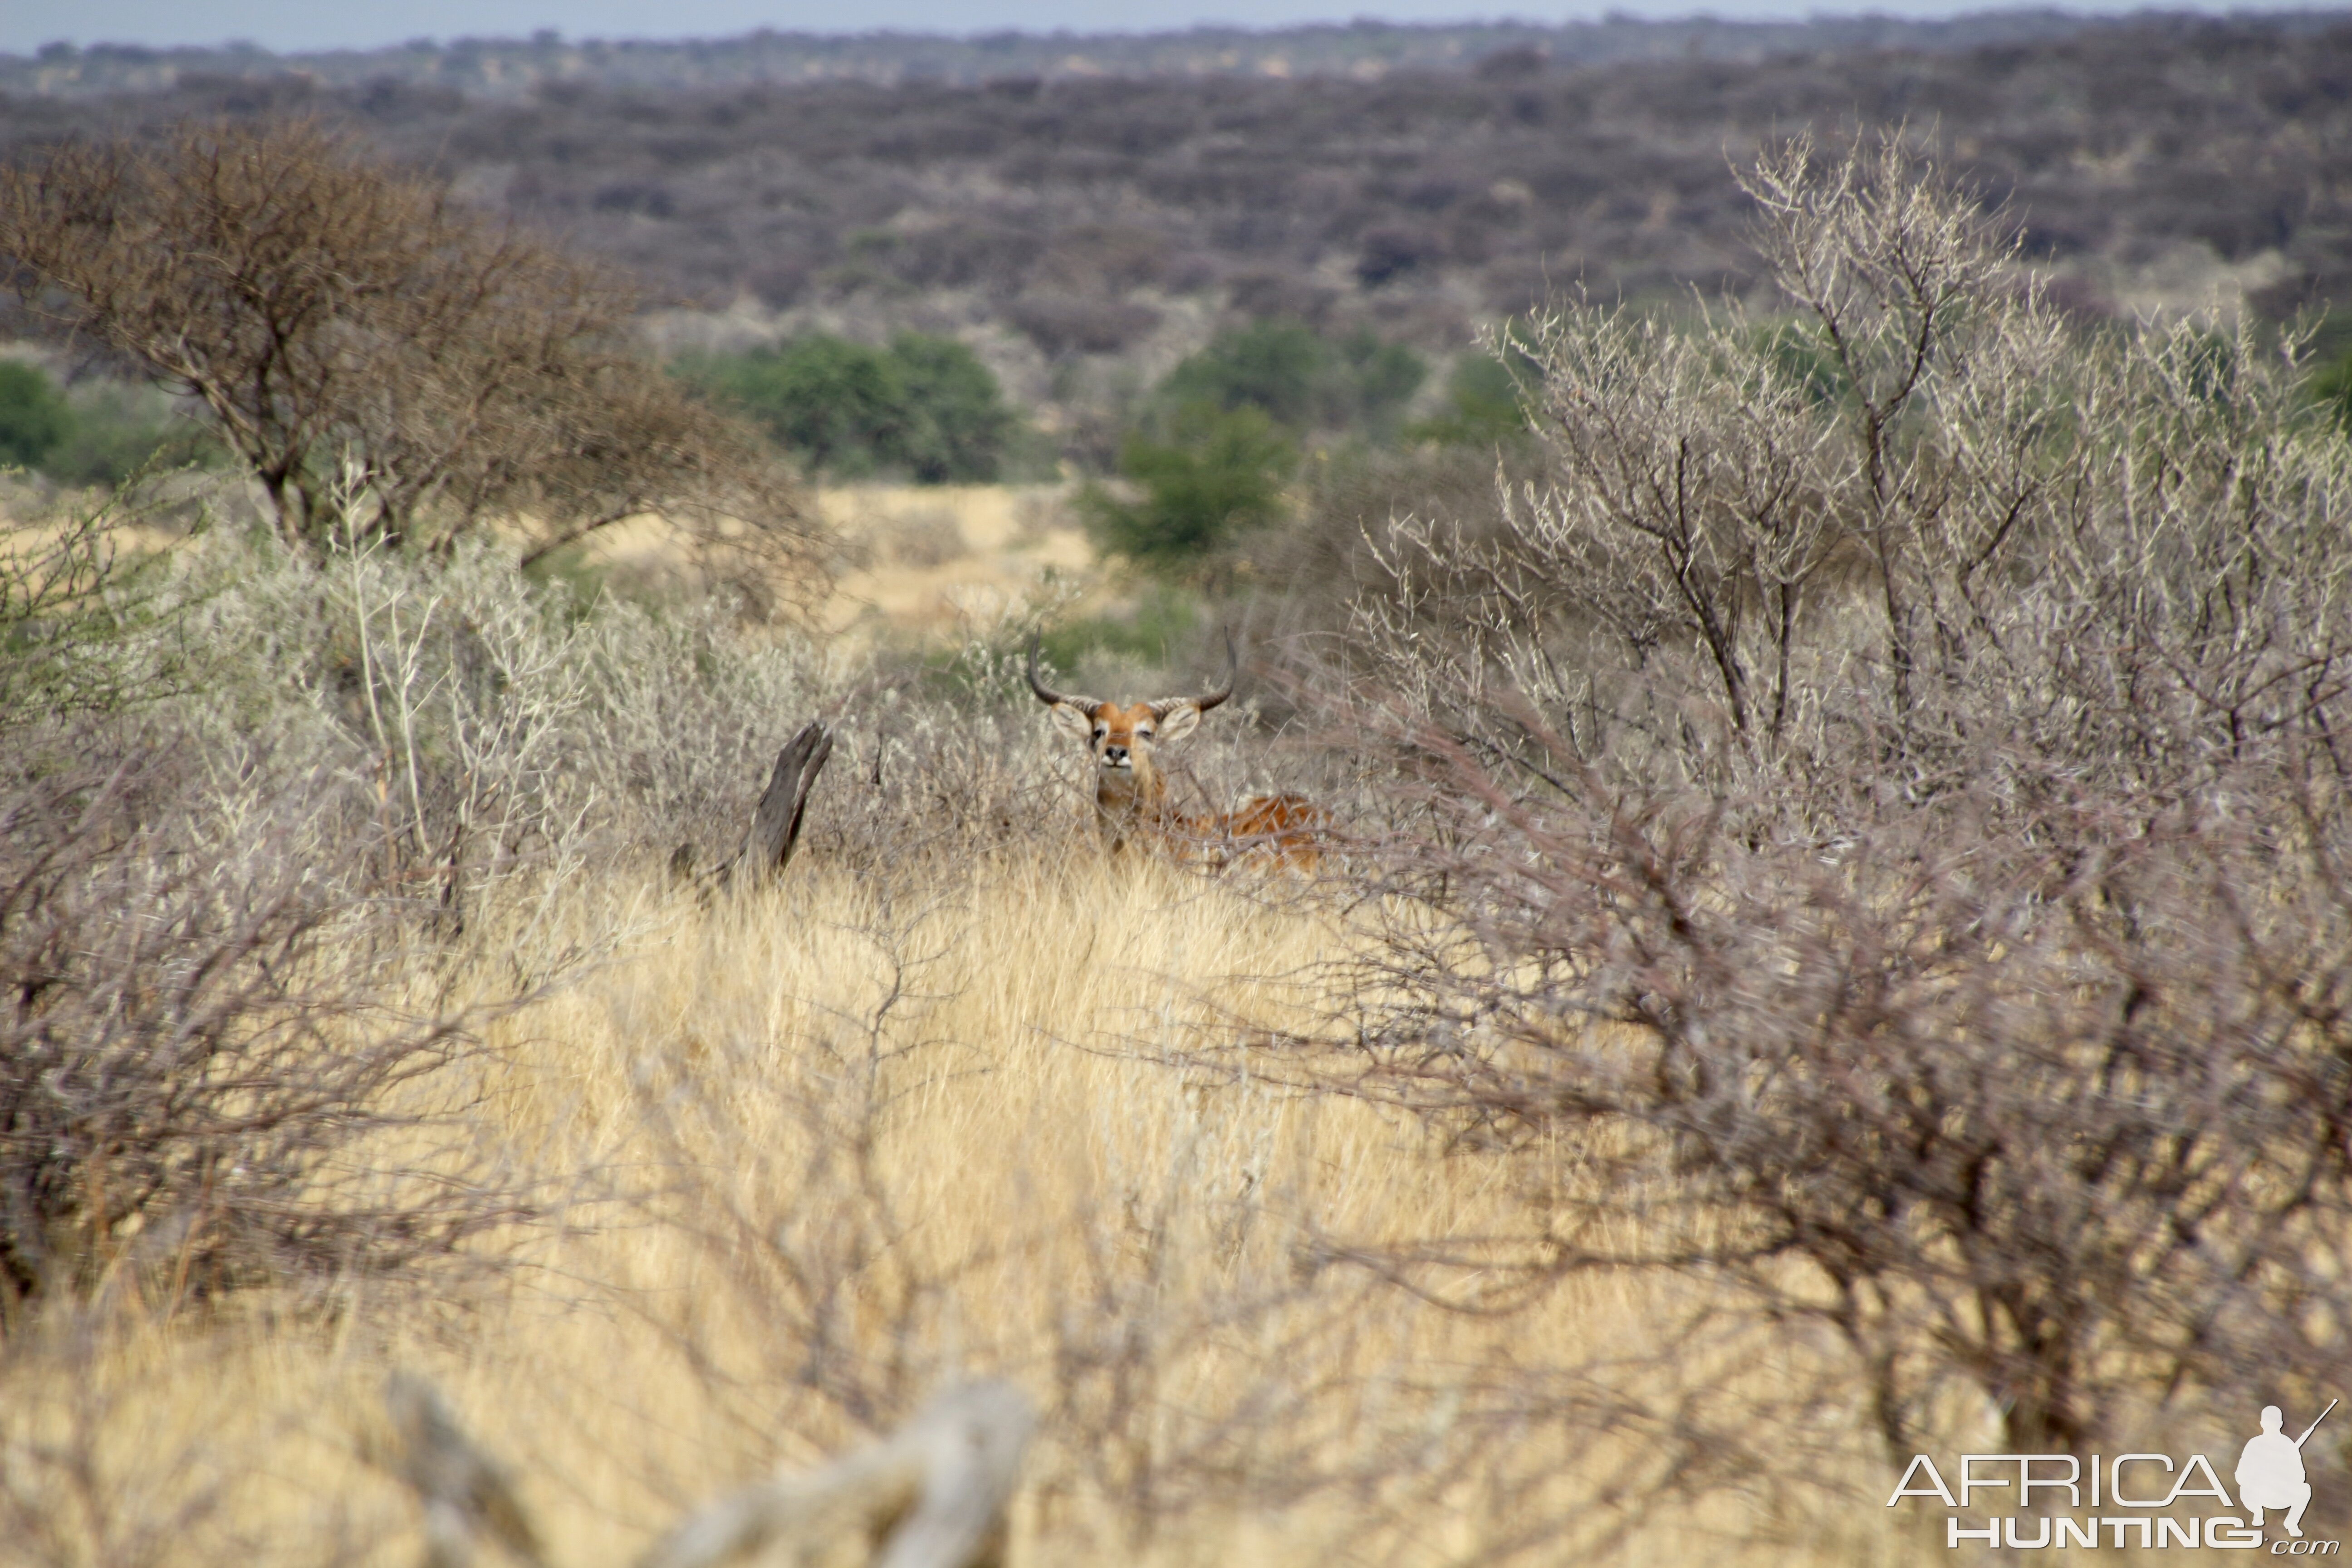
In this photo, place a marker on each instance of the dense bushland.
(511, 67)
(411, 997)
(1885, 772)
(323, 780)
(1833, 939)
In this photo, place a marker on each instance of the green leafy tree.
(924, 406)
(1279, 368)
(34, 416)
(1221, 472)
(829, 402)
(1298, 378)
(1381, 377)
(1484, 405)
(961, 425)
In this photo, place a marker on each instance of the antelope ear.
(1179, 721)
(1074, 720)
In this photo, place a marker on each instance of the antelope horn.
(1045, 693)
(1233, 664)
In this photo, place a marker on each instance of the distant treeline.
(1084, 234)
(511, 68)
(1070, 211)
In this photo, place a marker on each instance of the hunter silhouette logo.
(2270, 1472)
(2126, 1499)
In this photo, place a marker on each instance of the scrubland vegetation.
(513, 68)
(1833, 939)
(1083, 233)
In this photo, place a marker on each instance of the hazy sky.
(291, 24)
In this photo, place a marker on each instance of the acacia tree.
(379, 355)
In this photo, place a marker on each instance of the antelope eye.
(1143, 732)
(1100, 730)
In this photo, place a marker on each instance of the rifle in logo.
(2316, 1420)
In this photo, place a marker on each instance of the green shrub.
(1298, 378)
(118, 430)
(2331, 387)
(1383, 377)
(926, 407)
(1799, 351)
(1276, 367)
(831, 403)
(1220, 471)
(99, 434)
(1163, 617)
(34, 418)
(1486, 405)
(961, 425)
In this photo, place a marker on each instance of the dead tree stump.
(775, 832)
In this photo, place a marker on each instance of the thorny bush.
(202, 1089)
(1885, 799)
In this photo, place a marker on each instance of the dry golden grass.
(919, 561)
(824, 1146)
(946, 558)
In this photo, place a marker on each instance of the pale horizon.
(297, 26)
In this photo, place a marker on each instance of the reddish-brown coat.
(1131, 792)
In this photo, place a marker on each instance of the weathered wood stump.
(775, 832)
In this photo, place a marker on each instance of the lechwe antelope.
(1132, 793)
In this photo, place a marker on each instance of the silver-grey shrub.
(1887, 795)
(253, 837)
(1829, 531)
(504, 726)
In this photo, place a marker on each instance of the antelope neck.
(1122, 789)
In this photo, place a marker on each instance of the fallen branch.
(465, 1493)
(931, 1495)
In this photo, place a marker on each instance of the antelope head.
(1122, 739)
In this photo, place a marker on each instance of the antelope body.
(1131, 802)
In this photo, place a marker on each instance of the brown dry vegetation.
(730, 1184)
(1836, 938)
(825, 1147)
(384, 362)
